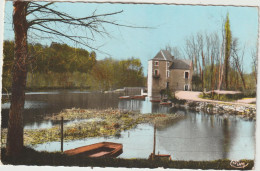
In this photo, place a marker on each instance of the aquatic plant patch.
(92, 123)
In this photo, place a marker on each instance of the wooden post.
(61, 124)
(154, 141)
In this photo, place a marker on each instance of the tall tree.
(174, 50)
(44, 18)
(200, 51)
(228, 42)
(212, 46)
(254, 63)
(238, 60)
(194, 50)
(220, 57)
(15, 123)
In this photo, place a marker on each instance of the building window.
(186, 87)
(168, 73)
(186, 74)
(156, 72)
(156, 63)
(168, 64)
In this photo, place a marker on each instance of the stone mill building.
(165, 72)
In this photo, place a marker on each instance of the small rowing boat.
(125, 97)
(103, 149)
(155, 101)
(139, 97)
(165, 103)
(136, 97)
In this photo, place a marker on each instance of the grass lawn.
(32, 157)
(226, 97)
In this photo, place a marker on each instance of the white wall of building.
(150, 78)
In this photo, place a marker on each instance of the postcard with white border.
(136, 84)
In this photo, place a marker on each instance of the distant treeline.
(62, 66)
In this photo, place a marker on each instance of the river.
(199, 136)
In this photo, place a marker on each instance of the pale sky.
(172, 25)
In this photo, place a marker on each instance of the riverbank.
(243, 111)
(83, 123)
(194, 102)
(32, 157)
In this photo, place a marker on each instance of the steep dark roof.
(180, 64)
(163, 55)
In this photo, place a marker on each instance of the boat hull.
(137, 97)
(103, 149)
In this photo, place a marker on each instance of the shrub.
(249, 93)
(177, 101)
(227, 97)
(192, 104)
(209, 106)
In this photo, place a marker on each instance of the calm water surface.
(197, 137)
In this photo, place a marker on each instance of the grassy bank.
(92, 123)
(227, 97)
(32, 157)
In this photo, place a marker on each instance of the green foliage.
(98, 123)
(60, 58)
(249, 93)
(8, 53)
(62, 66)
(192, 104)
(109, 74)
(235, 82)
(171, 97)
(228, 97)
(228, 41)
(52, 66)
(214, 68)
(177, 101)
(209, 105)
(196, 82)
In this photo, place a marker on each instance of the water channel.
(199, 136)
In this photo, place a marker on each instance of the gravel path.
(194, 96)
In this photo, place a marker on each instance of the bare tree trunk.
(221, 70)
(213, 76)
(221, 77)
(15, 123)
(238, 60)
(221, 65)
(254, 58)
(202, 78)
(214, 80)
(226, 74)
(203, 69)
(241, 75)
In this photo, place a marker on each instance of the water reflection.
(197, 137)
(189, 140)
(38, 106)
(143, 106)
(28, 105)
(185, 140)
